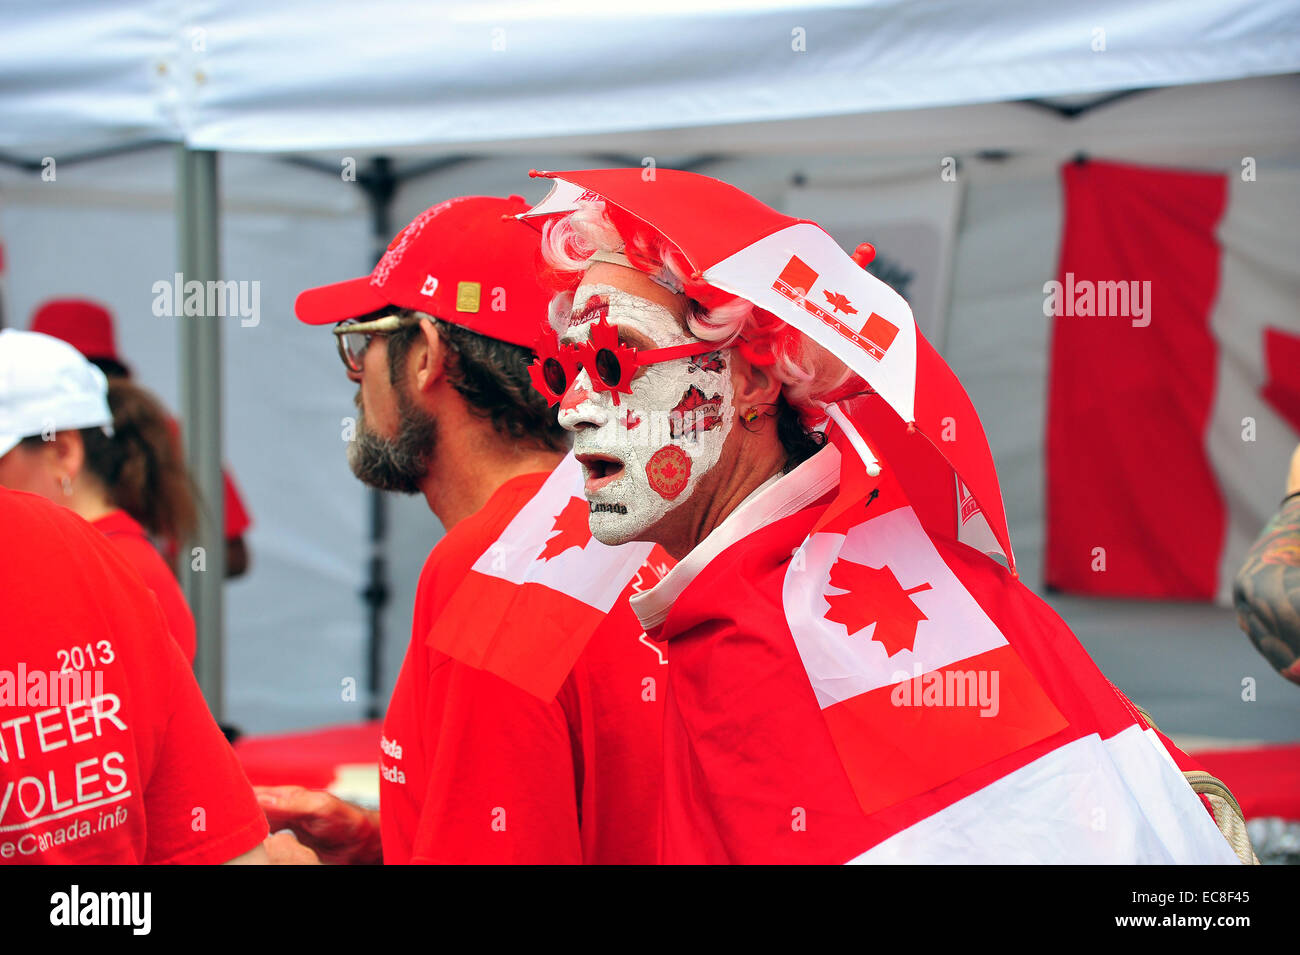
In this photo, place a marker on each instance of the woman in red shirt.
(108, 754)
(103, 451)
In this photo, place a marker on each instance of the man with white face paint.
(807, 578)
(683, 407)
(651, 425)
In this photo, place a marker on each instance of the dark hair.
(799, 442)
(111, 367)
(141, 464)
(492, 377)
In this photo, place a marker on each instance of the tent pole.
(380, 184)
(203, 562)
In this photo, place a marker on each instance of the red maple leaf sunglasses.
(610, 364)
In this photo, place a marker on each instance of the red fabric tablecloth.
(1265, 779)
(308, 758)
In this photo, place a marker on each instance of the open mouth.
(601, 469)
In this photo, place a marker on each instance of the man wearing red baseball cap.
(476, 764)
(88, 327)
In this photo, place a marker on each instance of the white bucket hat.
(46, 386)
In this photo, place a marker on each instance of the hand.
(339, 832)
(284, 849)
(1293, 478)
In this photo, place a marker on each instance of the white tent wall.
(296, 626)
(106, 230)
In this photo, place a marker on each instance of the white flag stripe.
(1113, 802)
(752, 271)
(1258, 278)
(563, 197)
(973, 528)
(841, 665)
(594, 573)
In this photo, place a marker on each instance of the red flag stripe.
(527, 634)
(917, 753)
(1133, 505)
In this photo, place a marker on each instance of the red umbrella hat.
(919, 417)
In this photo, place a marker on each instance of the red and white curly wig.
(808, 372)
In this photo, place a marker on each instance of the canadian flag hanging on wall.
(1174, 382)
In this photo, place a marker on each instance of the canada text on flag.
(795, 283)
(966, 502)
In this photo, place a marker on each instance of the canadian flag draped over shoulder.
(969, 722)
(533, 599)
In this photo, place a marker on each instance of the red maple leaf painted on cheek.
(874, 595)
(573, 528)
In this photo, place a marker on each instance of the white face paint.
(646, 455)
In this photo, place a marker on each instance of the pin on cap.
(439, 265)
(468, 295)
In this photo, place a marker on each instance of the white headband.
(663, 278)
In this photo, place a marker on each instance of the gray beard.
(397, 464)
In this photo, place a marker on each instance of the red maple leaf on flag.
(574, 530)
(874, 595)
(840, 302)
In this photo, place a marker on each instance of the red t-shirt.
(132, 543)
(475, 770)
(126, 765)
(237, 518)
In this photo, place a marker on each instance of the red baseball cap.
(467, 261)
(85, 325)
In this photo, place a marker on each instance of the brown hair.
(141, 464)
(492, 377)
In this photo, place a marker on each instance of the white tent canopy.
(300, 75)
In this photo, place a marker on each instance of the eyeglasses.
(610, 364)
(354, 336)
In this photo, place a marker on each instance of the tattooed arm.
(1267, 592)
